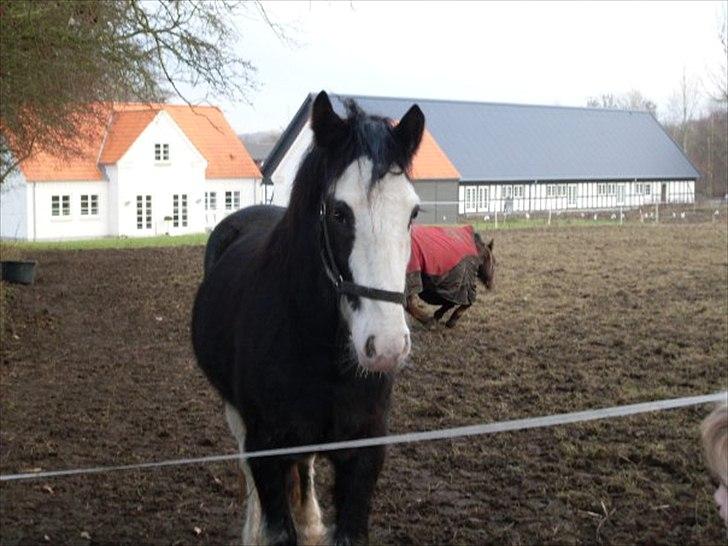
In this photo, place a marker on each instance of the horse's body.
(285, 342)
(443, 268)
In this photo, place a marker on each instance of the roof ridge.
(490, 103)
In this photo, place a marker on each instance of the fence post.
(621, 217)
(496, 218)
(549, 221)
(657, 212)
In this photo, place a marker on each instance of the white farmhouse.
(151, 169)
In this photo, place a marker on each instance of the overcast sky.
(520, 52)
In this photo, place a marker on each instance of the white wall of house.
(145, 186)
(68, 210)
(225, 196)
(543, 196)
(286, 171)
(14, 207)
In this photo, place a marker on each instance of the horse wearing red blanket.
(443, 266)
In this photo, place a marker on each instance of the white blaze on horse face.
(378, 259)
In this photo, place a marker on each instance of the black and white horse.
(299, 323)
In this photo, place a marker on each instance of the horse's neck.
(313, 303)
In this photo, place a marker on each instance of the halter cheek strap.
(344, 287)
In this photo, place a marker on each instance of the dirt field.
(97, 369)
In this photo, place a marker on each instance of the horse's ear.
(328, 128)
(490, 245)
(409, 130)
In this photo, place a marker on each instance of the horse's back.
(258, 219)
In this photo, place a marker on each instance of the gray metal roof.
(490, 141)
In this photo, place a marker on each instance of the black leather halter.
(344, 287)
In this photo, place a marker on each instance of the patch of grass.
(195, 239)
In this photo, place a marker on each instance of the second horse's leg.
(305, 506)
(444, 308)
(456, 315)
(414, 310)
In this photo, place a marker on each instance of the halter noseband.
(344, 287)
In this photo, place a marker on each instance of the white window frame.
(551, 190)
(161, 152)
(507, 192)
(90, 205)
(483, 198)
(144, 212)
(210, 200)
(518, 192)
(232, 200)
(60, 206)
(572, 194)
(179, 210)
(601, 189)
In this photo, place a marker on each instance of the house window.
(610, 189)
(144, 211)
(601, 189)
(232, 200)
(161, 152)
(518, 192)
(90, 205)
(60, 205)
(210, 200)
(507, 192)
(551, 190)
(562, 190)
(179, 210)
(483, 197)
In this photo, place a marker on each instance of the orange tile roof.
(124, 129)
(205, 126)
(431, 163)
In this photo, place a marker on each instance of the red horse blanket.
(444, 260)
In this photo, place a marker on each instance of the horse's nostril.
(369, 347)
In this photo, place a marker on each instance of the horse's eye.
(340, 215)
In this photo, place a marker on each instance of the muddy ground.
(97, 369)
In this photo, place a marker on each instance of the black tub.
(18, 272)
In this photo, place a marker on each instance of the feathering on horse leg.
(252, 524)
(307, 513)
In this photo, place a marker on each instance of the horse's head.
(486, 268)
(367, 209)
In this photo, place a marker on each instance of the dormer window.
(161, 152)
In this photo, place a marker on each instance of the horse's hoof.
(450, 324)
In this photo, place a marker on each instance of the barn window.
(232, 200)
(601, 189)
(483, 197)
(90, 205)
(507, 192)
(573, 194)
(60, 205)
(551, 190)
(161, 152)
(210, 200)
(518, 192)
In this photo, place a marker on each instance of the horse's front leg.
(456, 315)
(273, 480)
(356, 476)
(414, 310)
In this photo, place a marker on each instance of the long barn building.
(516, 158)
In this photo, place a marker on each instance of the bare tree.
(683, 107)
(57, 58)
(634, 100)
(720, 76)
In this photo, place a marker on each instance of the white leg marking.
(253, 519)
(307, 514)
